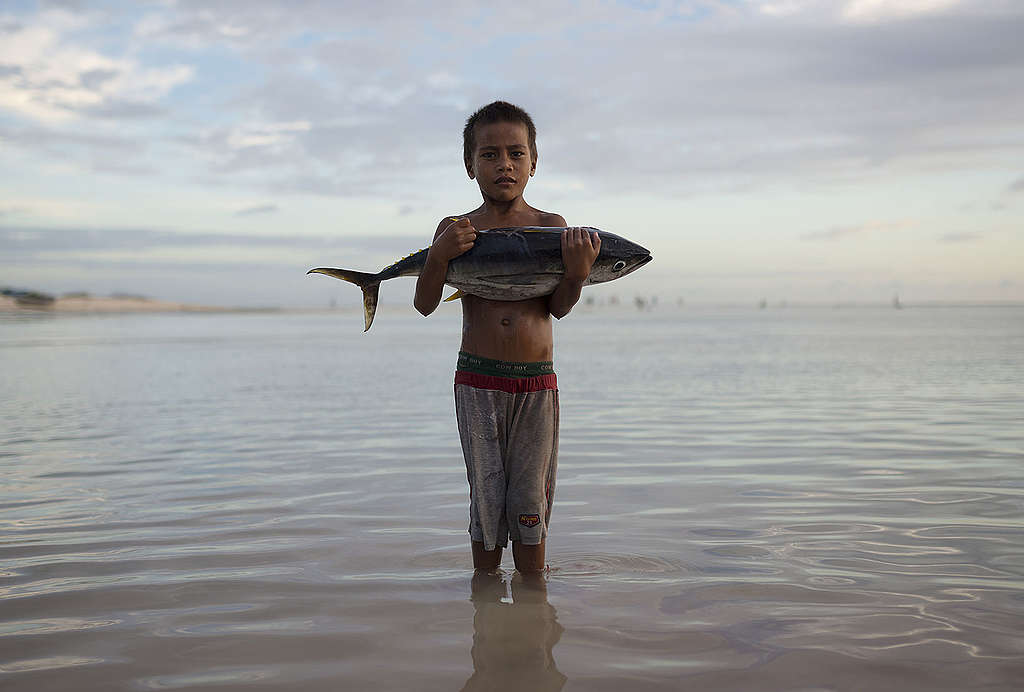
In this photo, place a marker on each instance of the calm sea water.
(798, 499)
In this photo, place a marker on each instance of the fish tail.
(369, 283)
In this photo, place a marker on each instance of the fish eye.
(619, 266)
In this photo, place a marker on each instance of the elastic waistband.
(478, 365)
(512, 385)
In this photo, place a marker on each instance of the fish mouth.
(639, 263)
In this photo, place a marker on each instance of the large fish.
(504, 264)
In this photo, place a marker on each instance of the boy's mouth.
(504, 179)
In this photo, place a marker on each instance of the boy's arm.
(452, 238)
(579, 250)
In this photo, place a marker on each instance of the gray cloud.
(835, 233)
(967, 237)
(62, 144)
(737, 98)
(116, 109)
(93, 79)
(669, 107)
(257, 210)
(28, 242)
(133, 168)
(840, 232)
(76, 5)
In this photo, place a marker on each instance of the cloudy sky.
(801, 150)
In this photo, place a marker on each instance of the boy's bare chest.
(504, 312)
(484, 221)
(509, 330)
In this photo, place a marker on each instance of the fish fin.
(455, 296)
(369, 283)
(369, 304)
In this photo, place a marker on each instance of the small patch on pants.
(529, 520)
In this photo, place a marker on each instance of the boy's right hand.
(457, 238)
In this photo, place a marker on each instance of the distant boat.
(896, 302)
(762, 305)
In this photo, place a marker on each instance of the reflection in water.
(512, 641)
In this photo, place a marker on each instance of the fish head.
(617, 258)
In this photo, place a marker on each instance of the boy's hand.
(579, 250)
(457, 238)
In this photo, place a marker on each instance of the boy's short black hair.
(497, 112)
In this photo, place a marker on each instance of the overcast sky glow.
(801, 150)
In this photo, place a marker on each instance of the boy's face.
(502, 162)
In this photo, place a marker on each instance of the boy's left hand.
(579, 250)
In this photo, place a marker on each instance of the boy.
(506, 397)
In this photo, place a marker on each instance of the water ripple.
(804, 500)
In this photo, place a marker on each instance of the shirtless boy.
(506, 397)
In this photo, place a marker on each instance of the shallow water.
(799, 499)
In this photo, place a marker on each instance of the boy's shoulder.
(536, 217)
(550, 219)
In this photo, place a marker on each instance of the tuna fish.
(504, 264)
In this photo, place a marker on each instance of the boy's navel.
(505, 321)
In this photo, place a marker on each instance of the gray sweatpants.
(510, 443)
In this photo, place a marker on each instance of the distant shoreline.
(100, 304)
(87, 304)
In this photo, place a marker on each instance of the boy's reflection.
(512, 641)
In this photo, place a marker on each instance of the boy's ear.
(469, 169)
(533, 165)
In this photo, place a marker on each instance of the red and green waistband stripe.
(501, 368)
(504, 376)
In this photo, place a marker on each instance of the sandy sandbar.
(80, 304)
